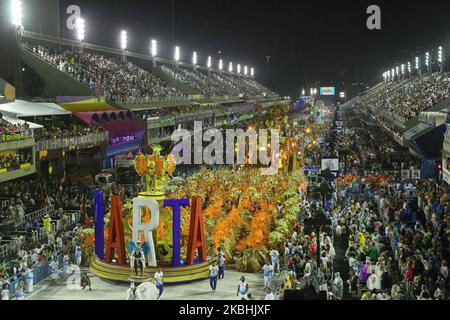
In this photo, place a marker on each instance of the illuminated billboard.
(327, 91)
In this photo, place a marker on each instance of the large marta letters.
(116, 239)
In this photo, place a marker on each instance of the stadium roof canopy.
(21, 122)
(24, 109)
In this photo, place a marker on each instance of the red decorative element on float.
(196, 233)
(116, 239)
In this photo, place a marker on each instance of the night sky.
(322, 42)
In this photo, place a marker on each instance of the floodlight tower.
(441, 58)
(402, 69)
(80, 25)
(245, 71)
(123, 43)
(419, 71)
(177, 55)
(230, 67)
(16, 10)
(252, 72)
(409, 69)
(220, 65)
(194, 60)
(154, 50)
(427, 61)
(209, 64)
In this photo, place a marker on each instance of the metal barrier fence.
(151, 100)
(89, 139)
(34, 215)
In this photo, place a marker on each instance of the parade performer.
(30, 280)
(66, 263)
(5, 291)
(243, 289)
(78, 255)
(213, 272)
(221, 264)
(275, 256)
(267, 271)
(54, 272)
(138, 259)
(20, 295)
(159, 283)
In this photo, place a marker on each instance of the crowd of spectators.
(396, 230)
(217, 85)
(110, 77)
(57, 129)
(407, 98)
(13, 160)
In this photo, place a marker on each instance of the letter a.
(116, 239)
(374, 21)
(196, 233)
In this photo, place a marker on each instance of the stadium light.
(342, 94)
(252, 72)
(311, 91)
(417, 63)
(177, 54)
(209, 63)
(194, 58)
(80, 29)
(303, 92)
(154, 48)
(230, 67)
(123, 40)
(440, 55)
(409, 67)
(427, 60)
(245, 70)
(16, 12)
(397, 71)
(402, 68)
(220, 64)
(238, 68)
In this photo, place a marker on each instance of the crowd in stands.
(7, 127)
(57, 129)
(110, 77)
(217, 85)
(407, 98)
(13, 160)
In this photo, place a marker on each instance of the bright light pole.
(441, 59)
(154, 50)
(303, 92)
(419, 71)
(123, 40)
(402, 68)
(252, 72)
(409, 69)
(393, 73)
(245, 70)
(177, 55)
(230, 67)
(16, 13)
(239, 69)
(220, 65)
(427, 61)
(194, 59)
(80, 29)
(209, 62)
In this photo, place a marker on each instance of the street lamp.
(80, 29)
(16, 12)
(154, 48)
(123, 40)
